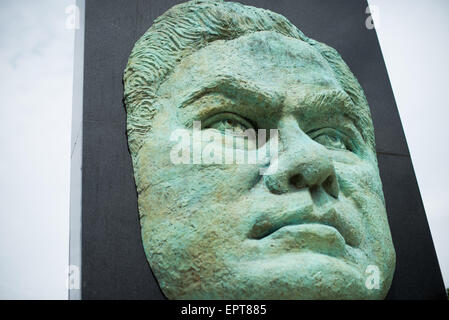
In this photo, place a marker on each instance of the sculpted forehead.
(266, 59)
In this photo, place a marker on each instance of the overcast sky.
(36, 63)
(36, 54)
(413, 35)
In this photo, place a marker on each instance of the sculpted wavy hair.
(192, 25)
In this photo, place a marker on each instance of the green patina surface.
(316, 228)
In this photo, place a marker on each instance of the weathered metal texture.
(315, 227)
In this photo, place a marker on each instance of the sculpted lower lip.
(266, 225)
(311, 236)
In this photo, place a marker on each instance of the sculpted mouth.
(328, 225)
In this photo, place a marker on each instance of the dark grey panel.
(417, 274)
(110, 34)
(114, 264)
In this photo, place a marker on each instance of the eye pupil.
(242, 131)
(331, 141)
(229, 124)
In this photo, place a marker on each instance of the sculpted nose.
(302, 163)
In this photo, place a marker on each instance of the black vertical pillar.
(113, 260)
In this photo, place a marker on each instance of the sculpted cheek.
(359, 181)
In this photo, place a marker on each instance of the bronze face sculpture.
(313, 227)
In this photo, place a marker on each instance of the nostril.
(330, 185)
(298, 181)
(274, 184)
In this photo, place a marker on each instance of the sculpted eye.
(242, 133)
(228, 123)
(331, 139)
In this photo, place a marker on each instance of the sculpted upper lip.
(267, 224)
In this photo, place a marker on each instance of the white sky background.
(36, 68)
(414, 37)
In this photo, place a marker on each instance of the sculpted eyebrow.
(333, 99)
(329, 98)
(313, 102)
(231, 86)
